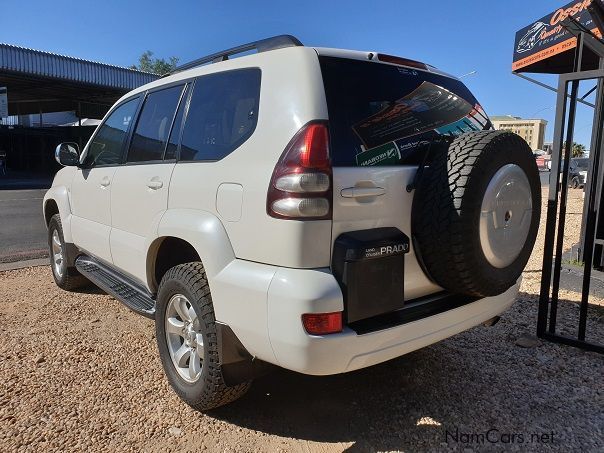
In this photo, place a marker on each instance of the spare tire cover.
(476, 213)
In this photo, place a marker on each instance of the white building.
(531, 130)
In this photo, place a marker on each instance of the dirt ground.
(80, 372)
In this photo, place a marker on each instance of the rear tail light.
(322, 323)
(303, 182)
(301, 207)
(300, 187)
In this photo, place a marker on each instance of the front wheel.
(66, 277)
(187, 339)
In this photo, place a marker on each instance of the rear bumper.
(264, 305)
(293, 292)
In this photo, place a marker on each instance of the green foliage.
(159, 66)
(578, 150)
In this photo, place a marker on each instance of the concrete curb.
(27, 255)
(23, 264)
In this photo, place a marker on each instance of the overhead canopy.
(546, 47)
(44, 82)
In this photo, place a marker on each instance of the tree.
(159, 66)
(578, 150)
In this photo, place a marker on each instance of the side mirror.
(67, 154)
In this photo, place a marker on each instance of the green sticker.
(387, 154)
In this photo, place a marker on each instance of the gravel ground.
(79, 372)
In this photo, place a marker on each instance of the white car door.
(91, 186)
(140, 187)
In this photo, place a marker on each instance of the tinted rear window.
(222, 115)
(382, 114)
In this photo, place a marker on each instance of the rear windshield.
(381, 114)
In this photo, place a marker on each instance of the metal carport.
(44, 82)
(40, 82)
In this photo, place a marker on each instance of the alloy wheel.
(184, 338)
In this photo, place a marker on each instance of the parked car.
(577, 172)
(315, 209)
(542, 162)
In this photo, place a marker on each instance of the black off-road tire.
(447, 207)
(210, 390)
(70, 279)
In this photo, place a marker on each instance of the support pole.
(80, 125)
(552, 208)
(563, 199)
(592, 207)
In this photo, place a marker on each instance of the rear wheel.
(476, 213)
(66, 277)
(187, 339)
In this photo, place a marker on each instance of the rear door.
(140, 187)
(383, 118)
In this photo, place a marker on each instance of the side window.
(154, 124)
(108, 142)
(222, 114)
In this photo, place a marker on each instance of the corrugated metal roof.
(46, 64)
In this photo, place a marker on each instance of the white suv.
(316, 209)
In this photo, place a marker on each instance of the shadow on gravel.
(476, 381)
(364, 405)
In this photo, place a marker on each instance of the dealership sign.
(546, 38)
(3, 103)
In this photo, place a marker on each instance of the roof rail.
(264, 45)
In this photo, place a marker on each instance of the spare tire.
(476, 213)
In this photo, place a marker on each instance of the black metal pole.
(590, 231)
(547, 87)
(552, 208)
(594, 201)
(598, 120)
(572, 113)
(563, 199)
(80, 125)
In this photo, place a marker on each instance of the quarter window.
(222, 114)
(108, 143)
(154, 124)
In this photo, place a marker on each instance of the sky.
(458, 37)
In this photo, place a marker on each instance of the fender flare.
(60, 196)
(203, 230)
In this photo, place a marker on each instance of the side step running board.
(123, 288)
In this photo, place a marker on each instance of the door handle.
(360, 192)
(155, 184)
(105, 181)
